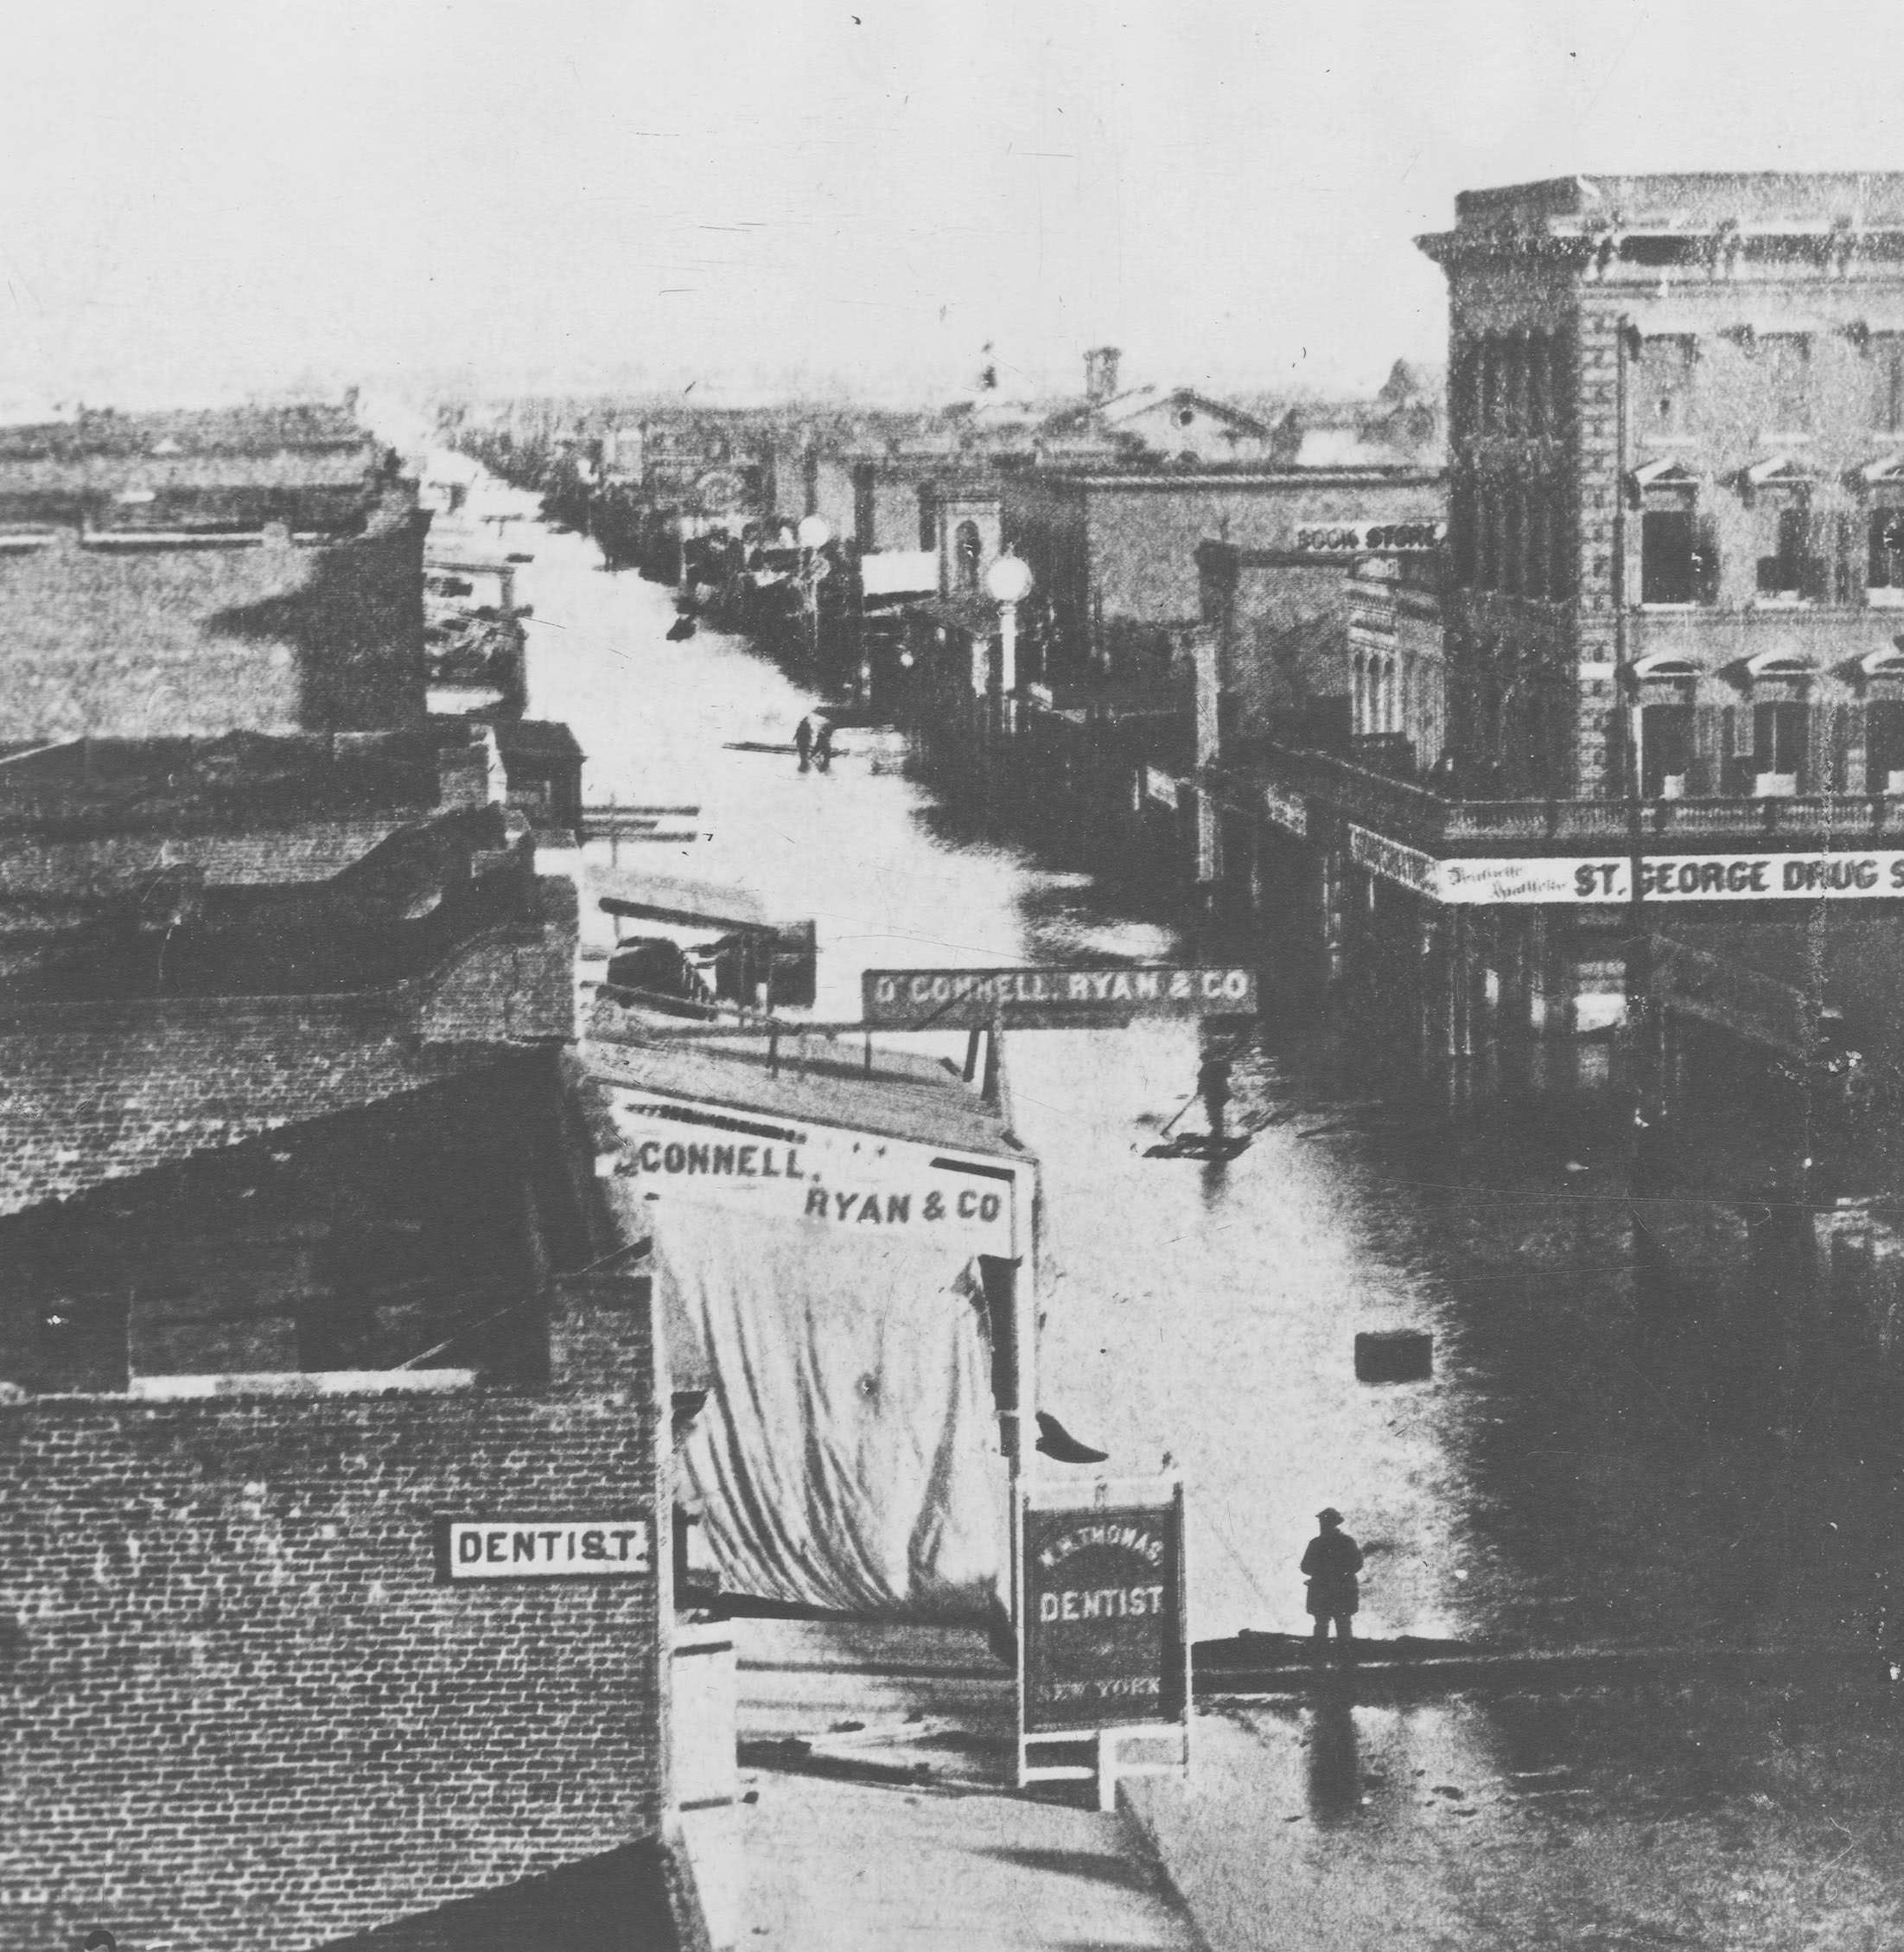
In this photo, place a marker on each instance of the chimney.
(1100, 374)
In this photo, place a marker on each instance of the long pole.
(1640, 1002)
(1639, 972)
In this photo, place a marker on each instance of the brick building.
(190, 574)
(1116, 554)
(303, 1257)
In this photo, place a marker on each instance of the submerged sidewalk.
(903, 1830)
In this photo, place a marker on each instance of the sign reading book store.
(489, 1550)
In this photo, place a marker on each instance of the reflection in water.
(1335, 1776)
(1567, 1474)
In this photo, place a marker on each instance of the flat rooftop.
(1753, 199)
(81, 788)
(903, 1095)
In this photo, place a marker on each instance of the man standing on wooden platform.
(1330, 1564)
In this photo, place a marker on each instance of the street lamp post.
(1008, 582)
(813, 534)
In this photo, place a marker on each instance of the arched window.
(1360, 718)
(966, 549)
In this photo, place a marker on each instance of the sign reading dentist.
(469, 1550)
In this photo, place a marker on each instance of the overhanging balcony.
(1443, 824)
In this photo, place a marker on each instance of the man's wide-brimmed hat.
(1329, 1511)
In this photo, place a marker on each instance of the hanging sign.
(1104, 1642)
(1051, 998)
(1287, 810)
(1371, 538)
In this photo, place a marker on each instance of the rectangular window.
(1540, 382)
(1517, 385)
(1886, 569)
(1560, 568)
(1884, 746)
(1666, 366)
(1490, 385)
(1785, 359)
(1779, 735)
(1667, 546)
(1887, 367)
(1665, 750)
(1793, 572)
(1463, 514)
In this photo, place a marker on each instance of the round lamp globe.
(1009, 579)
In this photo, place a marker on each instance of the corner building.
(1677, 429)
(1669, 614)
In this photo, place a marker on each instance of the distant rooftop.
(312, 426)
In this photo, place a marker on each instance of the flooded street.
(1563, 1479)
(1207, 1314)
(1570, 1478)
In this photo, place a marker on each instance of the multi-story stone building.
(1676, 417)
(1671, 646)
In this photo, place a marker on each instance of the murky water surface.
(1569, 1477)
(1562, 1477)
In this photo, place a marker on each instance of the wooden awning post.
(994, 1042)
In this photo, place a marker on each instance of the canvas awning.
(899, 572)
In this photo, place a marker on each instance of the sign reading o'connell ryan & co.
(962, 999)
(475, 1551)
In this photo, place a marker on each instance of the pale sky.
(198, 200)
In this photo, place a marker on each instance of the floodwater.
(1570, 1477)
(1564, 1478)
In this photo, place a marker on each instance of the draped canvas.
(848, 1454)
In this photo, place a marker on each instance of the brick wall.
(242, 1709)
(1143, 541)
(161, 641)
